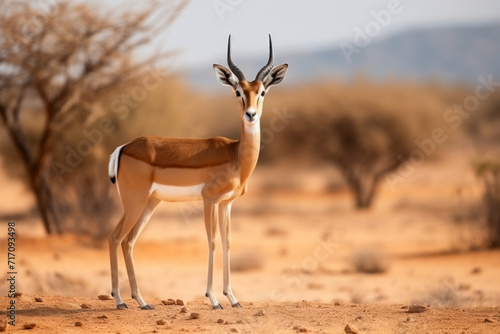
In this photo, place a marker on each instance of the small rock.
(84, 306)
(404, 307)
(296, 328)
(476, 270)
(30, 325)
(489, 320)
(226, 322)
(3, 325)
(18, 294)
(261, 313)
(38, 299)
(168, 302)
(105, 297)
(303, 330)
(194, 315)
(351, 329)
(337, 304)
(104, 316)
(78, 324)
(409, 319)
(220, 321)
(235, 330)
(184, 310)
(180, 302)
(416, 308)
(161, 322)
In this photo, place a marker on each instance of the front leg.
(211, 219)
(225, 233)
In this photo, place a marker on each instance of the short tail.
(114, 163)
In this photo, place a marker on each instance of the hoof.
(147, 307)
(122, 306)
(217, 307)
(237, 305)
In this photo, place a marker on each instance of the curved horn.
(269, 66)
(239, 74)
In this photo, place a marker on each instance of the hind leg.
(128, 248)
(127, 222)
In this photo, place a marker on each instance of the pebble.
(3, 325)
(337, 304)
(220, 321)
(489, 320)
(410, 319)
(168, 302)
(476, 270)
(303, 330)
(180, 302)
(235, 330)
(84, 306)
(105, 297)
(78, 324)
(18, 294)
(184, 310)
(261, 313)
(30, 325)
(416, 308)
(351, 329)
(104, 316)
(161, 322)
(39, 299)
(195, 316)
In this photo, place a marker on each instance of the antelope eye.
(238, 94)
(263, 93)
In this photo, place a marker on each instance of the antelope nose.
(250, 115)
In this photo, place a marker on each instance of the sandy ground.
(296, 242)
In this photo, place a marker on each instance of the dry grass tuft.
(369, 261)
(247, 260)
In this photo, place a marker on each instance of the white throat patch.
(254, 128)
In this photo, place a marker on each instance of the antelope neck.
(249, 148)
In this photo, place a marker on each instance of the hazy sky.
(201, 30)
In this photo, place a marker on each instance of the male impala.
(216, 170)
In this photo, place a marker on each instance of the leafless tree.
(366, 146)
(63, 57)
(488, 170)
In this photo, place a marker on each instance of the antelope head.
(250, 94)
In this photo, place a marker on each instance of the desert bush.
(369, 261)
(247, 260)
(488, 170)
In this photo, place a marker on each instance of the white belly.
(177, 193)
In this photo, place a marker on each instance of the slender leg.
(225, 233)
(128, 248)
(211, 217)
(127, 222)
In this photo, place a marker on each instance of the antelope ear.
(276, 76)
(225, 76)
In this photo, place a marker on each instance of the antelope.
(149, 170)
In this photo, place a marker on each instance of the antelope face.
(250, 95)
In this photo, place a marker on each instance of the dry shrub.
(367, 130)
(247, 260)
(369, 261)
(488, 170)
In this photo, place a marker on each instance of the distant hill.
(448, 54)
